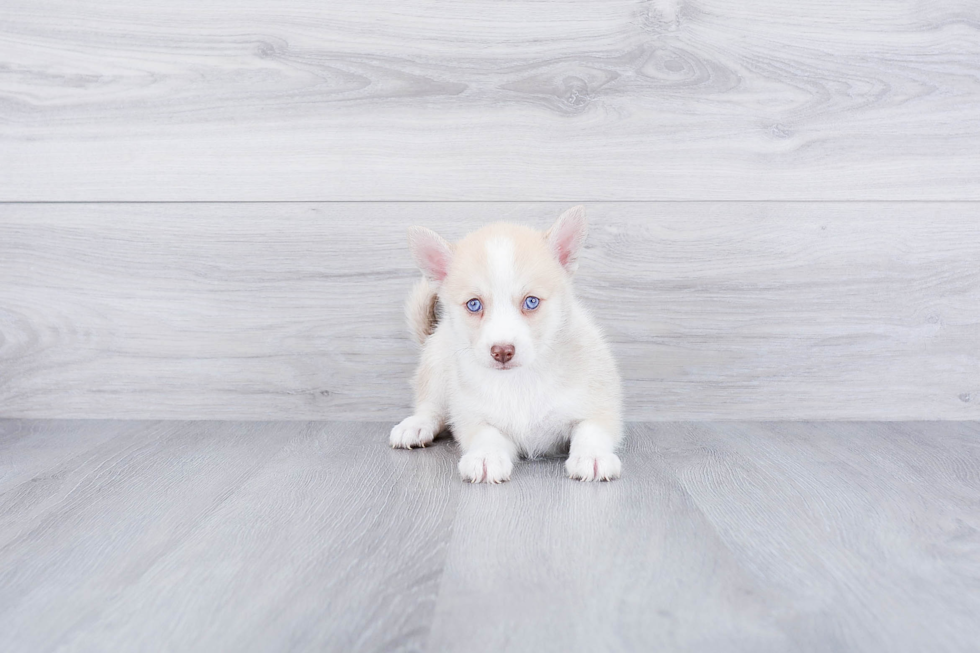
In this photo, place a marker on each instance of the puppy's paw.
(414, 431)
(593, 467)
(486, 467)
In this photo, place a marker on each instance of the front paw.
(414, 431)
(593, 467)
(486, 467)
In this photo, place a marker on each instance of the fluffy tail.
(420, 311)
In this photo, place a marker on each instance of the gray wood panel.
(224, 536)
(632, 566)
(258, 536)
(482, 100)
(294, 311)
(742, 537)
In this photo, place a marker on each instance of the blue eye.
(475, 305)
(531, 303)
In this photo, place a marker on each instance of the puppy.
(511, 361)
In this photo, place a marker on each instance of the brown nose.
(502, 353)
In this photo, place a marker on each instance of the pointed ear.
(432, 253)
(567, 235)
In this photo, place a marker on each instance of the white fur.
(504, 324)
(560, 389)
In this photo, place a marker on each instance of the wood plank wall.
(202, 204)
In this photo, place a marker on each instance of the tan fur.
(532, 258)
(420, 311)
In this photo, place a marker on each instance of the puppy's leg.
(592, 454)
(429, 419)
(419, 429)
(488, 456)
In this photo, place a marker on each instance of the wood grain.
(631, 566)
(258, 536)
(294, 311)
(226, 536)
(735, 537)
(567, 100)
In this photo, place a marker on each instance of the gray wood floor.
(248, 536)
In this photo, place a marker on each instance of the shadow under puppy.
(511, 361)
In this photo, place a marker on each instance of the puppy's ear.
(567, 235)
(432, 253)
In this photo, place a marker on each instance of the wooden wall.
(203, 204)
(721, 310)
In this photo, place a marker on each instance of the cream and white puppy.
(511, 361)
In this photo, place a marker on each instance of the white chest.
(535, 411)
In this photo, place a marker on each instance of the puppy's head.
(504, 288)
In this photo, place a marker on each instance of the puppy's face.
(503, 294)
(503, 288)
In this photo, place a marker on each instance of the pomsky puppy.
(511, 361)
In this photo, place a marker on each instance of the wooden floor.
(244, 536)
